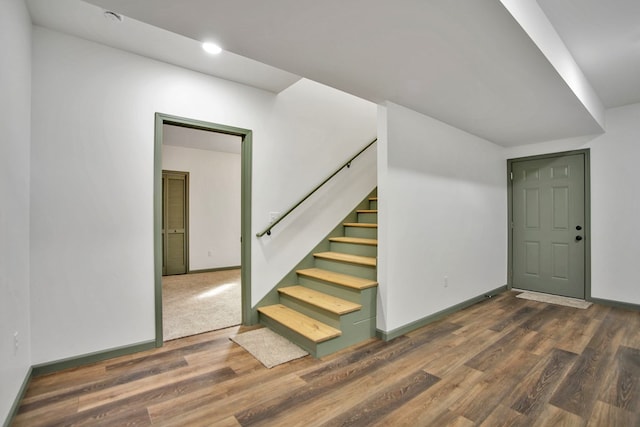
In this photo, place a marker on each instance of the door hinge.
(511, 224)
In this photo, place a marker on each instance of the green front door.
(549, 225)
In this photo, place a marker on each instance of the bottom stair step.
(304, 325)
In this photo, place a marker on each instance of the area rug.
(268, 347)
(202, 302)
(554, 299)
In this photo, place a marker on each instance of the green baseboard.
(13, 411)
(99, 356)
(72, 362)
(213, 270)
(617, 304)
(389, 335)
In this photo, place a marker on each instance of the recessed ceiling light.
(112, 16)
(211, 48)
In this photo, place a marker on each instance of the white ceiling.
(467, 63)
(181, 136)
(87, 21)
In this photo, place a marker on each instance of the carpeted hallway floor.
(201, 302)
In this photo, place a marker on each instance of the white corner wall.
(15, 135)
(443, 213)
(214, 204)
(92, 181)
(615, 201)
(536, 24)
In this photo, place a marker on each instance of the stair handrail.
(347, 164)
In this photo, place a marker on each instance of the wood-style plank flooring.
(502, 362)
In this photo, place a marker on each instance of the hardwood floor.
(503, 362)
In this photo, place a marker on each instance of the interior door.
(548, 225)
(174, 223)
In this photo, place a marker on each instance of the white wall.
(442, 213)
(92, 181)
(15, 131)
(615, 201)
(214, 204)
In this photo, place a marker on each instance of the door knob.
(578, 238)
(578, 228)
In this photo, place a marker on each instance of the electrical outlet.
(16, 342)
(446, 281)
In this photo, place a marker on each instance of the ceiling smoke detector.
(112, 16)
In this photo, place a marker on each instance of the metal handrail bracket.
(347, 164)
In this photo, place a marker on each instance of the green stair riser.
(360, 331)
(369, 218)
(339, 291)
(294, 337)
(366, 297)
(314, 312)
(342, 322)
(373, 204)
(367, 233)
(358, 270)
(357, 333)
(354, 249)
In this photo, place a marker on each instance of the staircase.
(333, 303)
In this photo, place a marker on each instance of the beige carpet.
(268, 347)
(202, 302)
(553, 299)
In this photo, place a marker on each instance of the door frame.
(587, 214)
(249, 316)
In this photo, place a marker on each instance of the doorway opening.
(204, 254)
(549, 224)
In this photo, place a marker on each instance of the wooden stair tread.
(367, 211)
(320, 299)
(373, 199)
(342, 257)
(345, 280)
(304, 325)
(360, 224)
(355, 240)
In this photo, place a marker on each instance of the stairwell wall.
(92, 181)
(442, 217)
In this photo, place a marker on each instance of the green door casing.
(548, 225)
(174, 223)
